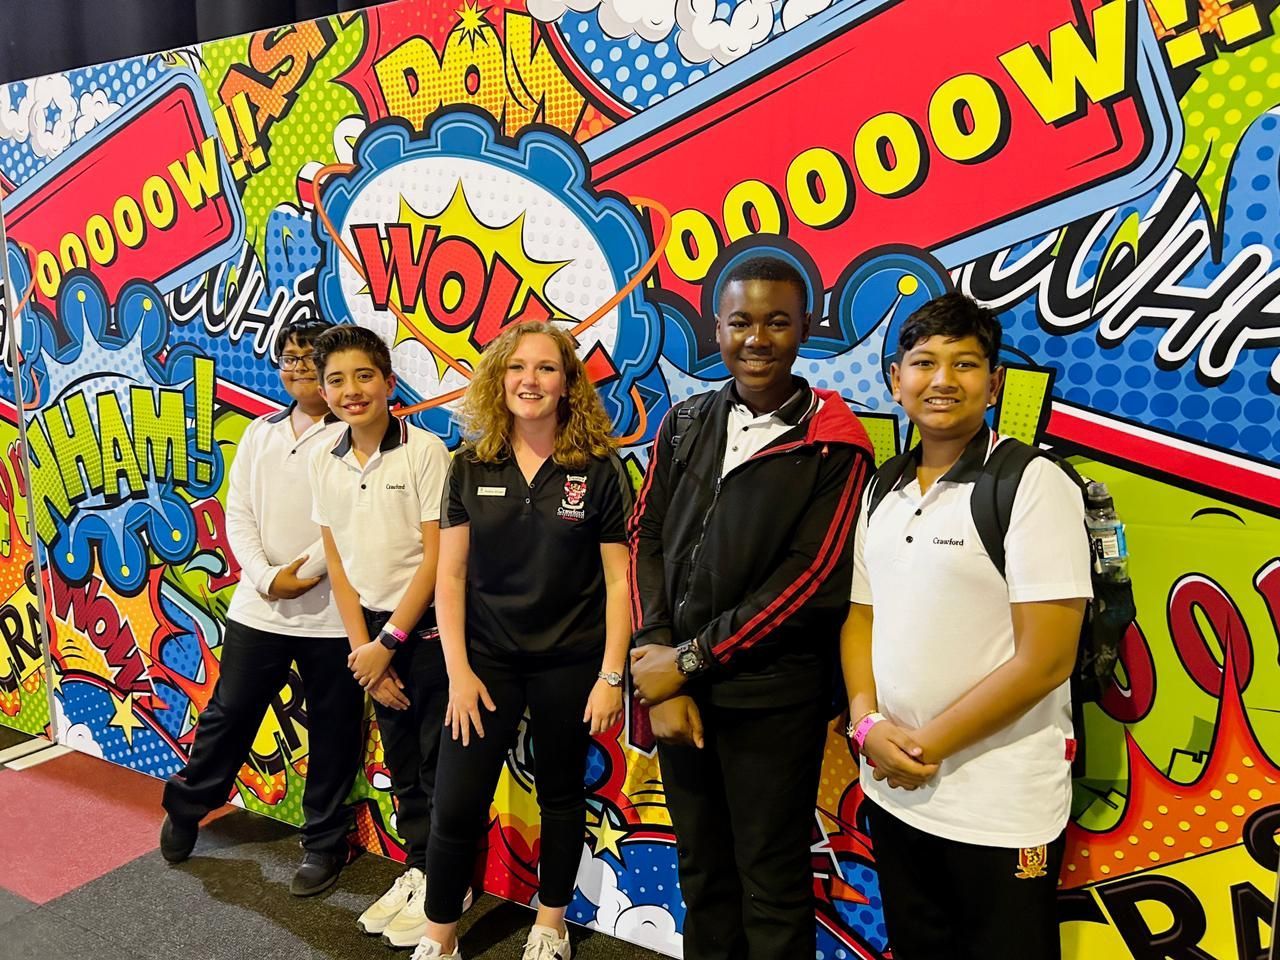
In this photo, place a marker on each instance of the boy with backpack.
(958, 675)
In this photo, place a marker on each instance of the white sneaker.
(409, 926)
(385, 908)
(429, 948)
(545, 943)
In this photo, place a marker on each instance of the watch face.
(689, 661)
(613, 679)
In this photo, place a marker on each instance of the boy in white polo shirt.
(377, 494)
(957, 676)
(282, 611)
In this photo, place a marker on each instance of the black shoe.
(316, 873)
(177, 838)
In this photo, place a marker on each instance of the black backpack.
(1107, 616)
(688, 423)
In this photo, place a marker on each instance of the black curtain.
(48, 36)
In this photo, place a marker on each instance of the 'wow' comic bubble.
(439, 242)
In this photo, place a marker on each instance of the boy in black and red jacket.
(741, 563)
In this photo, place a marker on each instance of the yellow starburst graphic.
(472, 23)
(483, 288)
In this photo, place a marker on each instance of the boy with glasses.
(282, 611)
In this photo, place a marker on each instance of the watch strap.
(687, 652)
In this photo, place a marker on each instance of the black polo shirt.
(535, 583)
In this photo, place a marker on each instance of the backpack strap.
(689, 417)
(991, 502)
(885, 479)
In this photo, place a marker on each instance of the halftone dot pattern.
(581, 910)
(32, 715)
(303, 134)
(883, 433)
(866, 919)
(121, 82)
(597, 765)
(288, 808)
(175, 715)
(640, 73)
(1124, 379)
(651, 878)
(1021, 401)
(1245, 77)
(289, 249)
(91, 705)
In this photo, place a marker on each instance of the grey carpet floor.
(231, 901)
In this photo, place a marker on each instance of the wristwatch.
(613, 678)
(689, 658)
(388, 640)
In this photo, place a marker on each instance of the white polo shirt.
(269, 526)
(375, 512)
(942, 623)
(747, 434)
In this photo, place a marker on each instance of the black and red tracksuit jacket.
(756, 565)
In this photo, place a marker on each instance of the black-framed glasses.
(297, 361)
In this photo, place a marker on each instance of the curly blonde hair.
(583, 428)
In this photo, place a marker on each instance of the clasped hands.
(673, 717)
(371, 666)
(897, 756)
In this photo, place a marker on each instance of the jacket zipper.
(697, 549)
(706, 516)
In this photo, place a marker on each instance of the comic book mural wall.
(1106, 172)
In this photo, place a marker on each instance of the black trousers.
(947, 900)
(255, 666)
(742, 808)
(556, 696)
(411, 738)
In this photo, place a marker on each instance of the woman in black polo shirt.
(531, 599)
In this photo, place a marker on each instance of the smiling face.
(299, 376)
(760, 325)
(945, 386)
(534, 380)
(355, 389)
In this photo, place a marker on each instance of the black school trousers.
(411, 737)
(555, 693)
(948, 900)
(742, 808)
(255, 666)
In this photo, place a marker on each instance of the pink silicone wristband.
(864, 727)
(396, 632)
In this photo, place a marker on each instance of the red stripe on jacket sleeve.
(804, 586)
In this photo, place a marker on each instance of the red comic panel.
(494, 57)
(148, 195)
(972, 126)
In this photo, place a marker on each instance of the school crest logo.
(1031, 862)
(575, 495)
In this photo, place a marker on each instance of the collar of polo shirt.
(967, 469)
(284, 414)
(397, 432)
(793, 410)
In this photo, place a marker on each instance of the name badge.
(491, 491)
